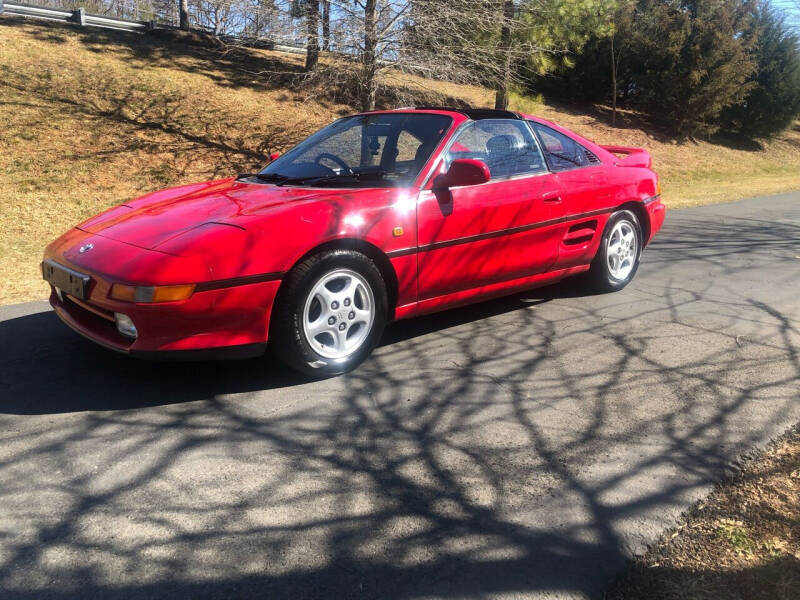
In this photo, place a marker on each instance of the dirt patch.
(742, 542)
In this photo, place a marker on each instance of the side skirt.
(487, 292)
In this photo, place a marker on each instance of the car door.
(584, 192)
(506, 228)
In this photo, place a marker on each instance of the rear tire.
(329, 314)
(617, 258)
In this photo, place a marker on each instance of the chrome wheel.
(338, 314)
(621, 250)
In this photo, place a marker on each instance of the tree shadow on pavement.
(525, 446)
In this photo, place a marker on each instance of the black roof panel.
(476, 114)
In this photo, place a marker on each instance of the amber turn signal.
(158, 293)
(126, 293)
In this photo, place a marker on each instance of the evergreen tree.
(683, 62)
(774, 100)
(691, 60)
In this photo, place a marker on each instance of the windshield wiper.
(271, 177)
(368, 176)
(281, 180)
(321, 179)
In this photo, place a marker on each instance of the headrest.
(423, 152)
(501, 144)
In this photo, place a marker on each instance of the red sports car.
(377, 217)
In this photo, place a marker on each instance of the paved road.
(519, 448)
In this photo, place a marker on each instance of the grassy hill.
(91, 118)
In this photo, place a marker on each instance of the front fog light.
(125, 325)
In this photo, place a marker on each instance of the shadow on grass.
(235, 66)
(634, 120)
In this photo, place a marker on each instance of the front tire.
(330, 313)
(617, 258)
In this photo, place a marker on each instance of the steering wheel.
(333, 158)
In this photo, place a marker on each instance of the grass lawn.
(91, 118)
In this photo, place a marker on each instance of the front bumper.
(189, 330)
(217, 323)
(226, 322)
(227, 314)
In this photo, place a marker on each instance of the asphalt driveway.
(519, 448)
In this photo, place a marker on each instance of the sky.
(791, 6)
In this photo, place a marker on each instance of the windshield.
(382, 150)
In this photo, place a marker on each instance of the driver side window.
(506, 146)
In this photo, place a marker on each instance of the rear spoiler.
(634, 157)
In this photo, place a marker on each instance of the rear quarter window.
(562, 152)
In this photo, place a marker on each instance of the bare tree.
(326, 25)
(369, 57)
(404, 36)
(494, 42)
(504, 81)
(619, 16)
(312, 29)
(482, 42)
(467, 41)
(262, 18)
(184, 14)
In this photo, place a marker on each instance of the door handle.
(552, 199)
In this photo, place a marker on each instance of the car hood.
(152, 220)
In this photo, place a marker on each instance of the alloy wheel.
(338, 314)
(621, 250)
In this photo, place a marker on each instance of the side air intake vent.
(591, 158)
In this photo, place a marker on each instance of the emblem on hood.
(85, 248)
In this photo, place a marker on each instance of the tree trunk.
(368, 81)
(312, 28)
(613, 84)
(504, 81)
(326, 25)
(184, 14)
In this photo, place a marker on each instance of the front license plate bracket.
(71, 282)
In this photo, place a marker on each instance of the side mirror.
(464, 171)
(274, 156)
